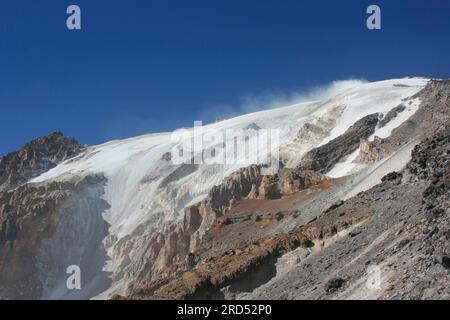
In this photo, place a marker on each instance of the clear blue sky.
(146, 66)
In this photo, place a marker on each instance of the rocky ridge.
(323, 158)
(35, 158)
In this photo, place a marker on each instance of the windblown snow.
(143, 186)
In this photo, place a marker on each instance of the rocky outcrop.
(235, 187)
(286, 182)
(371, 151)
(323, 158)
(36, 157)
(246, 183)
(377, 149)
(393, 113)
(249, 183)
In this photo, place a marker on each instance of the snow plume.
(270, 100)
(125, 125)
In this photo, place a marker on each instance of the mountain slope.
(389, 242)
(151, 219)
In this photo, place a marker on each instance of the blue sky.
(147, 66)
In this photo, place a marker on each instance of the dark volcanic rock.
(392, 114)
(323, 158)
(392, 176)
(334, 284)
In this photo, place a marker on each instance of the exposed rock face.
(323, 158)
(285, 183)
(31, 216)
(249, 183)
(230, 269)
(431, 162)
(371, 151)
(169, 251)
(393, 113)
(36, 157)
(235, 187)
(18, 266)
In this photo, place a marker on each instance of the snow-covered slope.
(143, 187)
